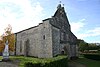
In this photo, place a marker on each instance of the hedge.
(57, 63)
(30, 64)
(92, 56)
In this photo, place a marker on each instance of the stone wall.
(22, 46)
(45, 40)
(66, 49)
(36, 41)
(55, 41)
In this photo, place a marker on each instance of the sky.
(83, 15)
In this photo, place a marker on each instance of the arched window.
(20, 46)
(44, 37)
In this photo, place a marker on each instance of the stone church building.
(50, 38)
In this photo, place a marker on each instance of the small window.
(20, 46)
(43, 36)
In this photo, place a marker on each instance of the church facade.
(50, 38)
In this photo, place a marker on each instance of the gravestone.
(6, 52)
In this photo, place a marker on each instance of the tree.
(8, 35)
(82, 45)
(93, 46)
(1, 46)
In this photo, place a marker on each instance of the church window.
(43, 36)
(20, 46)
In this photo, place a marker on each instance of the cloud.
(96, 41)
(95, 31)
(76, 26)
(77, 29)
(91, 33)
(20, 14)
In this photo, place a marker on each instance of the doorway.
(27, 47)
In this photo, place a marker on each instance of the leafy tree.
(1, 45)
(8, 35)
(93, 46)
(82, 45)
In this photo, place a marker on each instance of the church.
(48, 39)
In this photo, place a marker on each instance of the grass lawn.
(0, 57)
(23, 59)
(88, 62)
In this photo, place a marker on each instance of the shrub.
(30, 64)
(57, 63)
(92, 56)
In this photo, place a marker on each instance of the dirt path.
(9, 64)
(6, 64)
(75, 64)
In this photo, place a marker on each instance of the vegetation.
(8, 35)
(59, 61)
(0, 57)
(29, 61)
(85, 47)
(92, 56)
(82, 45)
(88, 62)
(90, 53)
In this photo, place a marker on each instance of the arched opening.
(27, 47)
(64, 51)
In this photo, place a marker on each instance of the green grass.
(88, 62)
(35, 60)
(0, 57)
(81, 60)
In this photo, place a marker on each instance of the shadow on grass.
(88, 62)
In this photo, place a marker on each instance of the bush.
(92, 56)
(57, 63)
(30, 64)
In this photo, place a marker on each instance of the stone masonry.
(51, 37)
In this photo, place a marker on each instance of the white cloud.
(95, 31)
(77, 29)
(91, 33)
(20, 14)
(88, 34)
(76, 26)
(96, 41)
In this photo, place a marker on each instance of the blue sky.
(83, 15)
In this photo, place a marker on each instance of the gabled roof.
(28, 28)
(59, 9)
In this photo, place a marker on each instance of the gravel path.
(9, 64)
(6, 64)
